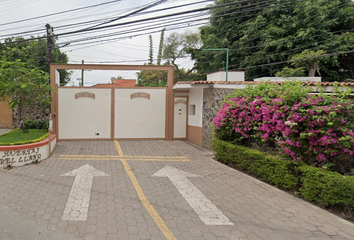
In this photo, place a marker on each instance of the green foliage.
(159, 55)
(174, 47)
(306, 60)
(16, 137)
(316, 185)
(264, 37)
(33, 52)
(290, 91)
(270, 169)
(23, 87)
(35, 124)
(291, 72)
(151, 52)
(151, 78)
(316, 129)
(327, 188)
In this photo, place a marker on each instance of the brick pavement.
(117, 211)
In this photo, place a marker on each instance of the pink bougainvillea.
(314, 129)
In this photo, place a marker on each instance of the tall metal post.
(227, 58)
(49, 44)
(82, 75)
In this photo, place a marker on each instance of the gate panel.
(84, 113)
(180, 118)
(140, 113)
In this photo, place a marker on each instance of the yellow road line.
(155, 216)
(119, 149)
(116, 156)
(132, 159)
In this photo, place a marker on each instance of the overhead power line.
(57, 13)
(140, 20)
(132, 13)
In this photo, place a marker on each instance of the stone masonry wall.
(33, 113)
(212, 102)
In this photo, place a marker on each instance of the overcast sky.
(125, 44)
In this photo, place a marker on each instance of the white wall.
(140, 117)
(221, 76)
(196, 98)
(83, 117)
(26, 155)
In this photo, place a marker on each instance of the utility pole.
(49, 45)
(82, 75)
(227, 58)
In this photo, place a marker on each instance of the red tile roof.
(119, 83)
(348, 84)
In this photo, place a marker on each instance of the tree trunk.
(25, 130)
(312, 72)
(313, 68)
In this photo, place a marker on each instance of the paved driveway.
(153, 190)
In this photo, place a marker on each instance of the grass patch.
(16, 137)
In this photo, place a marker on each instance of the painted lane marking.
(119, 149)
(117, 156)
(118, 159)
(154, 215)
(205, 209)
(76, 208)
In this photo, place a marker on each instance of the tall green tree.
(23, 87)
(159, 55)
(175, 46)
(178, 46)
(33, 52)
(151, 52)
(264, 36)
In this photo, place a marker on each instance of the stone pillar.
(212, 102)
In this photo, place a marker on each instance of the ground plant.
(35, 124)
(16, 137)
(316, 129)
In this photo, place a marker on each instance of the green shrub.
(313, 129)
(327, 188)
(274, 171)
(36, 124)
(314, 184)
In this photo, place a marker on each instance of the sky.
(123, 44)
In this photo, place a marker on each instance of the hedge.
(313, 184)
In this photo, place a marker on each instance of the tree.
(22, 87)
(159, 55)
(173, 47)
(33, 52)
(307, 60)
(177, 45)
(151, 53)
(116, 78)
(263, 36)
(152, 78)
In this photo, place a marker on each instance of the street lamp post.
(227, 57)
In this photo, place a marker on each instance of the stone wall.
(32, 112)
(212, 102)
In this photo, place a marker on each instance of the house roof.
(119, 83)
(347, 84)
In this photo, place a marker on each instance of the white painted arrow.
(205, 209)
(76, 208)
